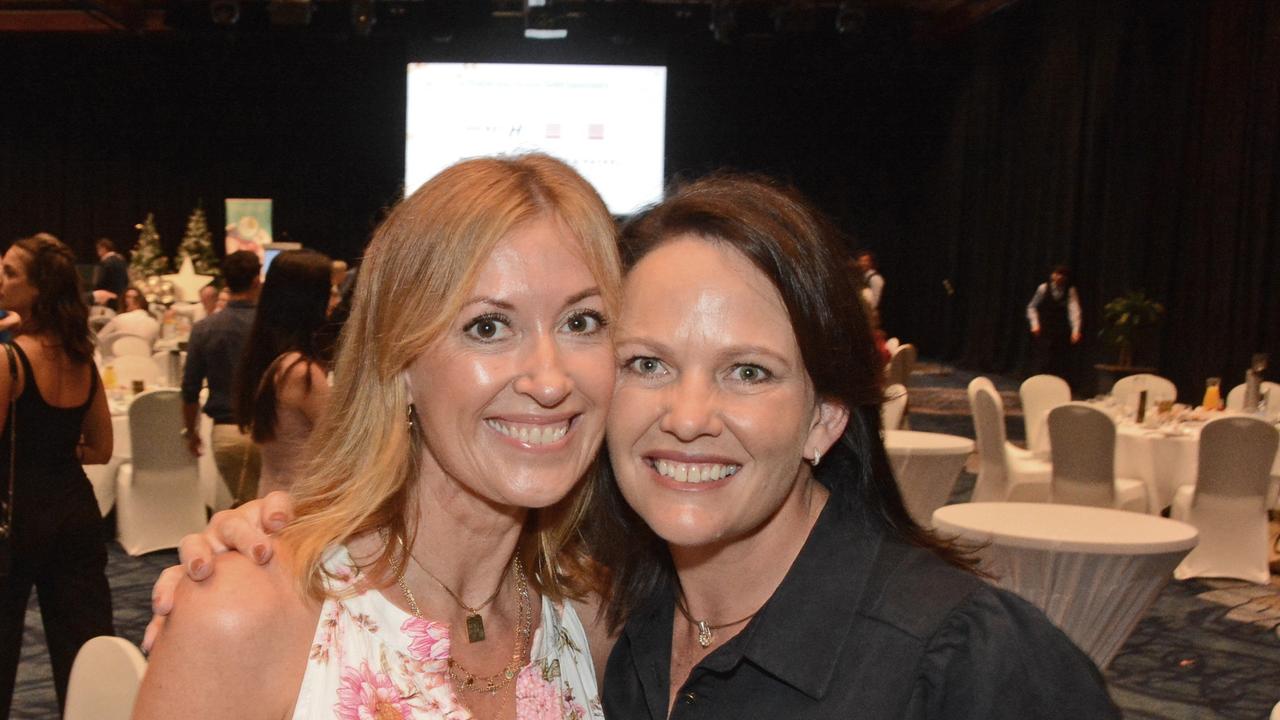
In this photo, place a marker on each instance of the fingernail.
(196, 566)
(277, 520)
(260, 553)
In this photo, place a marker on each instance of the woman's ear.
(829, 420)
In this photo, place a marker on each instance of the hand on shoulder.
(235, 644)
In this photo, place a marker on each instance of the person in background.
(197, 311)
(220, 302)
(213, 352)
(61, 423)
(112, 276)
(282, 383)
(134, 319)
(1054, 317)
(873, 281)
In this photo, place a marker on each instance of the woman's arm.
(96, 443)
(236, 646)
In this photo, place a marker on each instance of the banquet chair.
(1005, 472)
(894, 407)
(1039, 395)
(1228, 503)
(104, 680)
(1271, 390)
(158, 498)
(903, 360)
(1157, 388)
(1083, 447)
(129, 368)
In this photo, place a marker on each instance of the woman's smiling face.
(512, 398)
(713, 410)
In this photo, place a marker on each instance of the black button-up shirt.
(865, 627)
(213, 353)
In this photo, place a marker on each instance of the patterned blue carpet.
(1206, 649)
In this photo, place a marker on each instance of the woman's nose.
(692, 411)
(545, 377)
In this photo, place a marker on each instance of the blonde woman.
(429, 571)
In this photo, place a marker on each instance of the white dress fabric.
(370, 659)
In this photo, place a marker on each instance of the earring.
(817, 457)
(410, 417)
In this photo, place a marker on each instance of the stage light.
(224, 13)
(363, 16)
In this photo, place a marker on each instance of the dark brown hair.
(59, 308)
(291, 310)
(800, 252)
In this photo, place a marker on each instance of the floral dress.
(370, 660)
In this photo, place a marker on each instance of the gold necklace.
(465, 680)
(475, 623)
(705, 634)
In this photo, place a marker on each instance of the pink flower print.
(427, 640)
(536, 699)
(366, 695)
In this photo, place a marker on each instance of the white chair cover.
(1228, 504)
(158, 498)
(893, 407)
(1039, 395)
(903, 360)
(130, 367)
(1235, 398)
(1005, 472)
(104, 680)
(1083, 442)
(1157, 388)
(123, 344)
(169, 363)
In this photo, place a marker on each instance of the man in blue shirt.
(213, 354)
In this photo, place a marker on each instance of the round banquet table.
(1093, 571)
(1164, 461)
(925, 466)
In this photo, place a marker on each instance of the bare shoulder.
(296, 376)
(235, 645)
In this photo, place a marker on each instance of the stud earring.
(410, 417)
(817, 457)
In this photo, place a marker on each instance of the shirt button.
(689, 697)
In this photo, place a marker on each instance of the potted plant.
(1127, 317)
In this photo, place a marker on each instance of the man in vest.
(1054, 315)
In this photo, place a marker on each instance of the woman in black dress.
(62, 422)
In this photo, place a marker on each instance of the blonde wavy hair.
(417, 273)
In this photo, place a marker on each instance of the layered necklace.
(463, 679)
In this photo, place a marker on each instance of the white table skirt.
(1163, 462)
(925, 466)
(1093, 571)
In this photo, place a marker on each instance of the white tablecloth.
(1093, 571)
(926, 466)
(1163, 461)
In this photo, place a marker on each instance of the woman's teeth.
(531, 434)
(694, 472)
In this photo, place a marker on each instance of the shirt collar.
(241, 304)
(798, 635)
(826, 581)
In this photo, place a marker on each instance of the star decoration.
(186, 282)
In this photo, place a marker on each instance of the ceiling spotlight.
(224, 13)
(363, 16)
(851, 16)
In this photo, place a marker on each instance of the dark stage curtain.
(1135, 141)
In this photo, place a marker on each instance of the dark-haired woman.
(282, 383)
(762, 562)
(61, 422)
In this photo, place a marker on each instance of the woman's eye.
(646, 366)
(488, 328)
(585, 322)
(750, 374)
